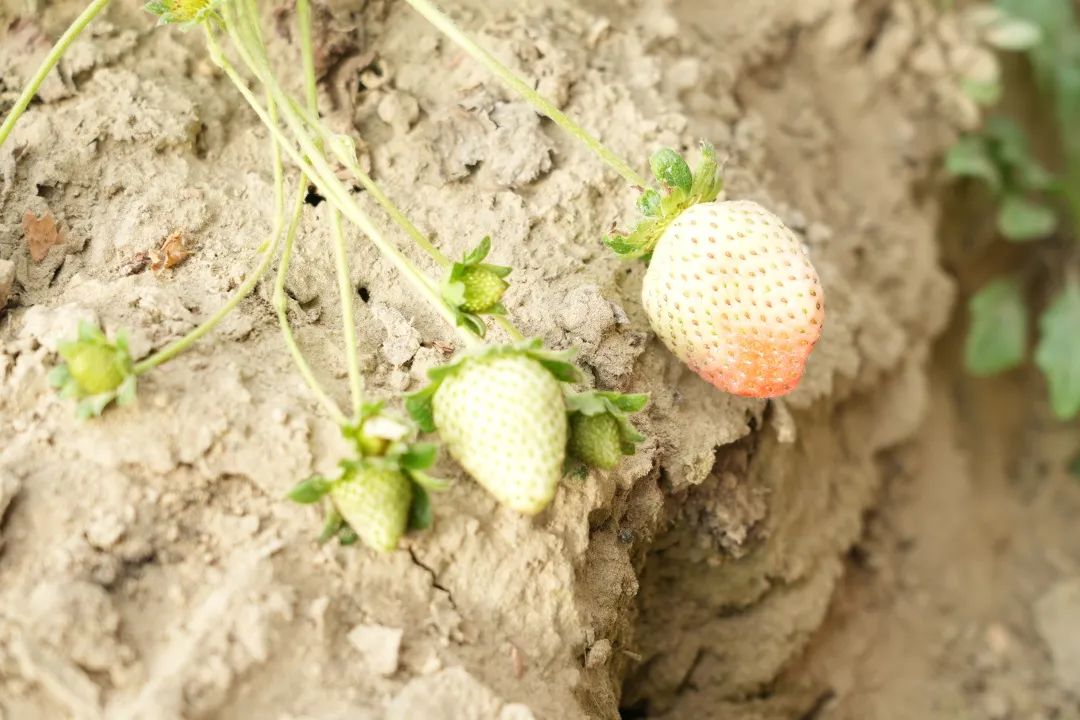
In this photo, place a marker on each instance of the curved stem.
(348, 158)
(175, 348)
(315, 166)
(445, 25)
(282, 306)
(341, 253)
(74, 30)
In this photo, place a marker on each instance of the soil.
(890, 541)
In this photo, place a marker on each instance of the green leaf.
(586, 403)
(125, 394)
(90, 332)
(1021, 219)
(1058, 352)
(419, 456)
(498, 270)
(453, 293)
(997, 337)
(420, 408)
(472, 323)
(310, 491)
(477, 254)
(332, 525)
(428, 482)
(420, 515)
(671, 170)
(649, 203)
(629, 403)
(59, 376)
(970, 157)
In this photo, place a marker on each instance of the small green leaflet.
(970, 157)
(1058, 352)
(1020, 219)
(997, 337)
(420, 511)
(310, 491)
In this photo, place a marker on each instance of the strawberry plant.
(375, 487)
(714, 308)
(1033, 204)
(382, 490)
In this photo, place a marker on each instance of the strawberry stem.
(342, 149)
(341, 253)
(315, 165)
(447, 26)
(74, 30)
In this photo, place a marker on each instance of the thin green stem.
(348, 321)
(175, 348)
(281, 305)
(341, 253)
(447, 26)
(315, 166)
(347, 157)
(92, 10)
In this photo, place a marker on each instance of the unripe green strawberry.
(97, 367)
(503, 418)
(375, 503)
(595, 440)
(732, 293)
(483, 289)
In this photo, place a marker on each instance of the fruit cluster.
(729, 290)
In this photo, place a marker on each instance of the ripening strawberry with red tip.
(730, 290)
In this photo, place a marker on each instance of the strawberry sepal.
(681, 189)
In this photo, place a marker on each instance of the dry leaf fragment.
(171, 253)
(41, 234)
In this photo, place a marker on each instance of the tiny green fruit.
(375, 502)
(595, 440)
(484, 289)
(475, 288)
(95, 371)
(600, 429)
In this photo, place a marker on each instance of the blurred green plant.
(1033, 203)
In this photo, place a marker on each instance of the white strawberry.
(732, 293)
(502, 415)
(730, 290)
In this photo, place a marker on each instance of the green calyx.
(419, 404)
(476, 288)
(382, 442)
(600, 431)
(185, 13)
(95, 371)
(681, 189)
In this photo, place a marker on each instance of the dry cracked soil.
(890, 542)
